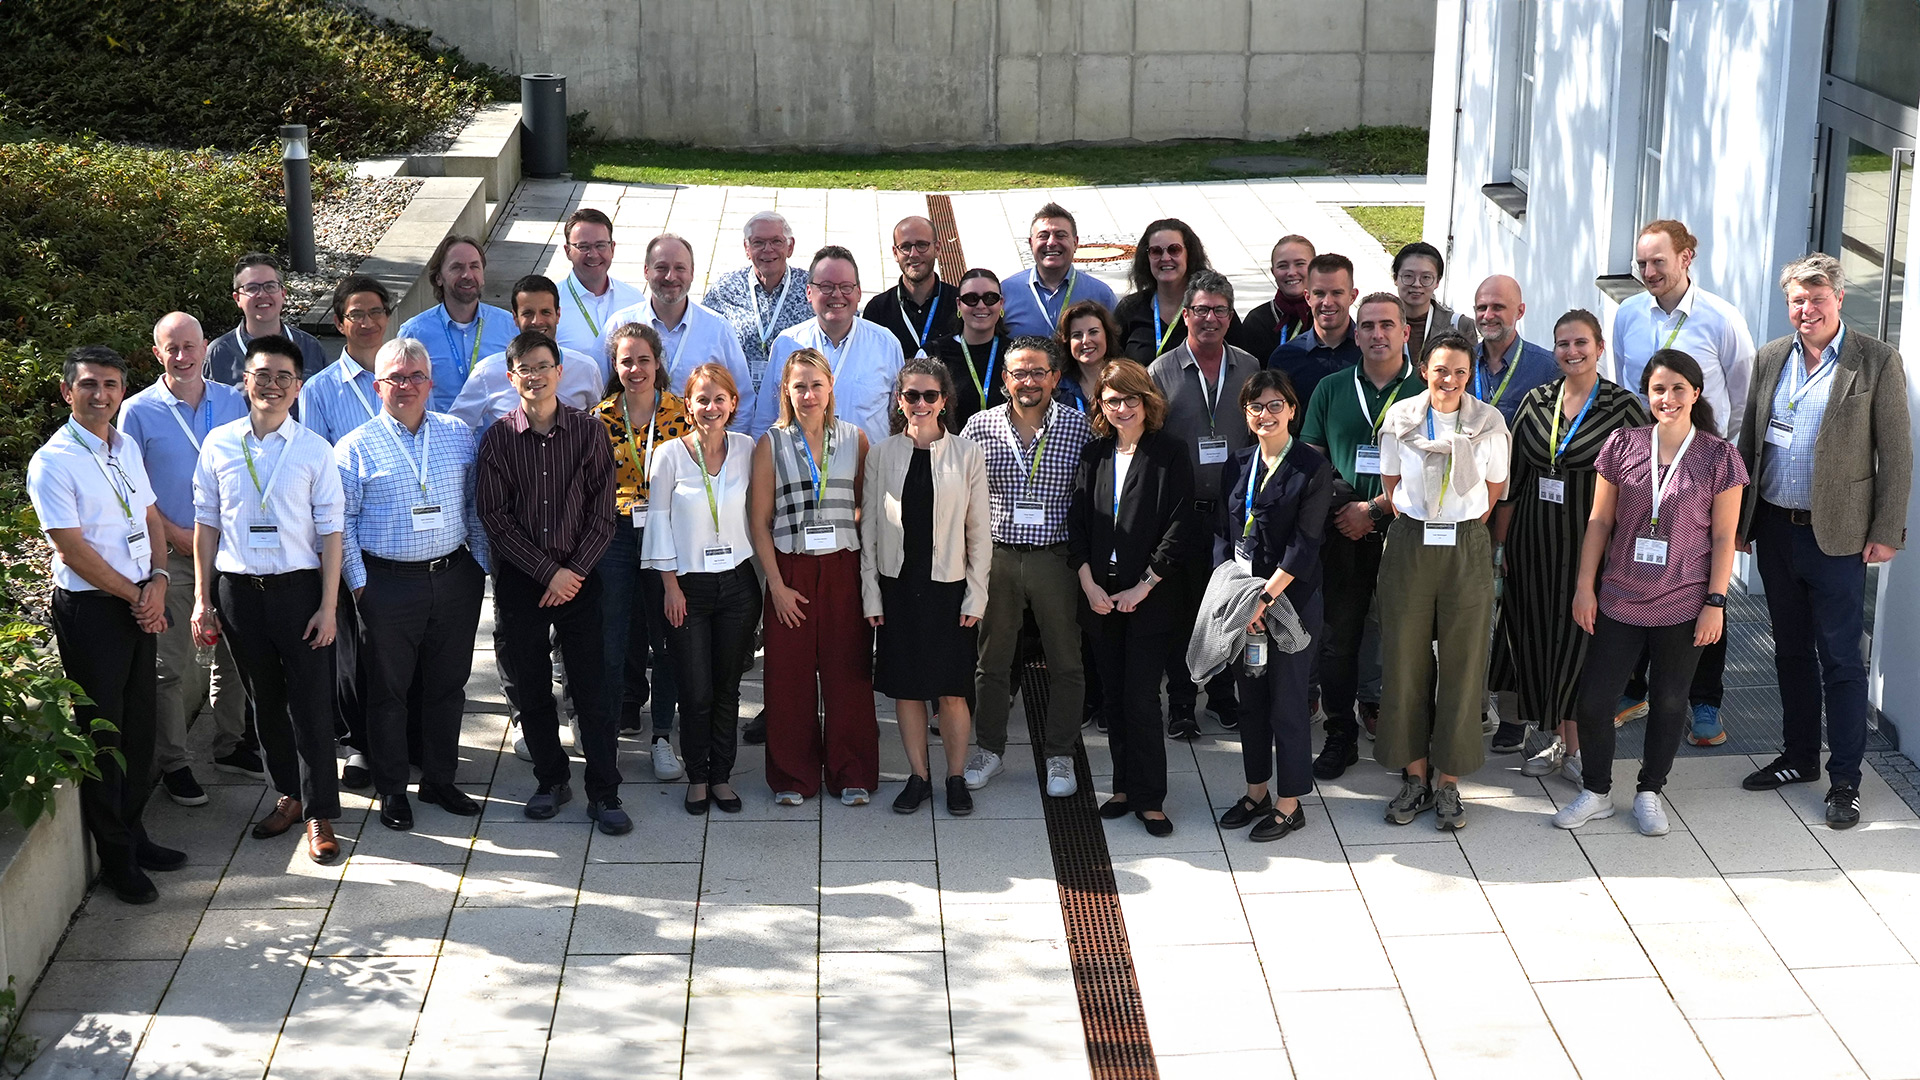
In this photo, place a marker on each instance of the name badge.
(1440, 534)
(717, 559)
(640, 515)
(1553, 491)
(1029, 512)
(263, 537)
(1366, 460)
(1649, 550)
(1213, 451)
(818, 537)
(139, 546)
(1780, 432)
(428, 518)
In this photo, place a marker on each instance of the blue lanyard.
(800, 436)
(1116, 485)
(1557, 413)
(983, 386)
(453, 343)
(1796, 396)
(933, 308)
(1159, 337)
(1246, 529)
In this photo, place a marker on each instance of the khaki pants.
(184, 687)
(1036, 578)
(1432, 594)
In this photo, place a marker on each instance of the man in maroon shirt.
(545, 494)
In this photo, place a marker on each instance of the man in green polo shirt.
(1343, 422)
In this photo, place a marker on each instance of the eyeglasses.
(1130, 401)
(767, 243)
(1271, 408)
(257, 288)
(915, 397)
(1417, 280)
(979, 299)
(829, 288)
(358, 316)
(1210, 311)
(1028, 374)
(600, 246)
(912, 246)
(1170, 249)
(418, 378)
(539, 372)
(277, 379)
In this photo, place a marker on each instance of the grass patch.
(1394, 226)
(1381, 150)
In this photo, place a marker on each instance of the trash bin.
(543, 125)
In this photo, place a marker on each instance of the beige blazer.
(1863, 456)
(962, 518)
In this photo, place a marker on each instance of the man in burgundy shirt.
(545, 494)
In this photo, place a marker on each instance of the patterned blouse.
(1643, 593)
(629, 476)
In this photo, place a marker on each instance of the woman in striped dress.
(1557, 435)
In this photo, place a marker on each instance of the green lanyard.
(1380, 417)
(713, 505)
(1446, 478)
(1479, 387)
(640, 459)
(581, 304)
(993, 357)
(1247, 529)
(125, 506)
(247, 451)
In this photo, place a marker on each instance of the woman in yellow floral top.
(640, 415)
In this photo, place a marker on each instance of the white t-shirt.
(1410, 495)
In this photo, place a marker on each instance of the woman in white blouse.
(696, 536)
(1443, 461)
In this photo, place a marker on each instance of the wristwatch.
(1376, 513)
(1266, 599)
(1716, 599)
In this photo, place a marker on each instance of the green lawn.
(1398, 150)
(1394, 226)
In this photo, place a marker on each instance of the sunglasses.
(915, 397)
(975, 299)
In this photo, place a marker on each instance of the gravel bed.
(441, 141)
(345, 229)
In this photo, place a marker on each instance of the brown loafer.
(286, 814)
(321, 846)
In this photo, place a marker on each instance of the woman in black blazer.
(1123, 539)
(1276, 536)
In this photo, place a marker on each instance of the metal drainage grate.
(951, 258)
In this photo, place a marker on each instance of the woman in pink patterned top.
(1665, 510)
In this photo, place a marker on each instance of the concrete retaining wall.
(942, 73)
(44, 873)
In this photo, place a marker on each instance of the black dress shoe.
(959, 799)
(131, 885)
(1156, 826)
(1246, 812)
(448, 798)
(151, 856)
(1115, 807)
(354, 773)
(1338, 753)
(755, 733)
(727, 805)
(1275, 826)
(396, 812)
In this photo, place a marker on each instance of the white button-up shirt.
(77, 481)
(865, 366)
(701, 337)
(1709, 329)
(586, 319)
(488, 395)
(302, 496)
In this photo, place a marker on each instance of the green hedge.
(225, 73)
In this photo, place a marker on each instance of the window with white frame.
(1653, 109)
(1520, 158)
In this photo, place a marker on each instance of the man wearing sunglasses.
(919, 309)
(262, 299)
(590, 295)
(865, 358)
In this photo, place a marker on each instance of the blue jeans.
(634, 605)
(1817, 603)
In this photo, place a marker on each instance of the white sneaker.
(1584, 808)
(855, 796)
(1490, 719)
(666, 765)
(1648, 814)
(1060, 780)
(983, 766)
(787, 798)
(1570, 772)
(1548, 760)
(520, 745)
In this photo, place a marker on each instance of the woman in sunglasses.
(1150, 316)
(976, 350)
(924, 553)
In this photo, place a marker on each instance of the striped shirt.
(380, 476)
(1014, 476)
(1786, 472)
(546, 501)
(793, 495)
(339, 399)
(670, 421)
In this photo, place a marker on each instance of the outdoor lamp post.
(298, 172)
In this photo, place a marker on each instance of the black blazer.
(1289, 514)
(1156, 527)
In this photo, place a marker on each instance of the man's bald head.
(181, 347)
(1497, 308)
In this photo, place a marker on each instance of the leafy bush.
(225, 73)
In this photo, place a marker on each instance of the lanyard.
(1446, 478)
(1039, 445)
(766, 325)
(1479, 386)
(184, 428)
(993, 356)
(247, 449)
(1653, 468)
(126, 506)
(1555, 444)
(1219, 387)
(580, 303)
(1247, 529)
(353, 384)
(813, 467)
(836, 353)
(1795, 395)
(639, 457)
(1161, 338)
(1359, 395)
(1117, 482)
(1668, 344)
(453, 342)
(713, 505)
(426, 441)
(933, 307)
(684, 330)
(1033, 284)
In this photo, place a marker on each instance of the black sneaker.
(1229, 717)
(1339, 752)
(243, 760)
(918, 789)
(1779, 773)
(1509, 739)
(183, 788)
(1181, 723)
(959, 799)
(1843, 806)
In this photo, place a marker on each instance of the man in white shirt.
(267, 509)
(590, 295)
(690, 334)
(488, 396)
(1675, 313)
(91, 492)
(865, 356)
(1036, 298)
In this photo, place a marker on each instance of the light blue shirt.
(455, 349)
(339, 399)
(1786, 472)
(172, 449)
(1033, 310)
(381, 479)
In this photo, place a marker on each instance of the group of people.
(1363, 506)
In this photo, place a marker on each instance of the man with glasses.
(920, 307)
(690, 334)
(489, 395)
(90, 489)
(764, 298)
(1417, 271)
(1032, 445)
(1504, 366)
(1201, 380)
(864, 356)
(1328, 345)
(591, 294)
(459, 330)
(415, 558)
(1288, 314)
(262, 299)
(169, 421)
(1037, 297)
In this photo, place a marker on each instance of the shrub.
(225, 73)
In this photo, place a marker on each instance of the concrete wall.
(894, 73)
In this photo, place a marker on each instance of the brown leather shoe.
(321, 846)
(286, 814)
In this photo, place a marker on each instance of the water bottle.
(1254, 656)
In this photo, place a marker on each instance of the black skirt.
(921, 651)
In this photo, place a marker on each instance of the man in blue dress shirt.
(1035, 298)
(459, 330)
(342, 396)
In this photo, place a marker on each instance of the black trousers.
(349, 673)
(1181, 690)
(1352, 569)
(1611, 659)
(526, 632)
(1709, 677)
(290, 682)
(1129, 651)
(708, 649)
(417, 628)
(1276, 731)
(105, 651)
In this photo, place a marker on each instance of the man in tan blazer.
(1827, 444)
